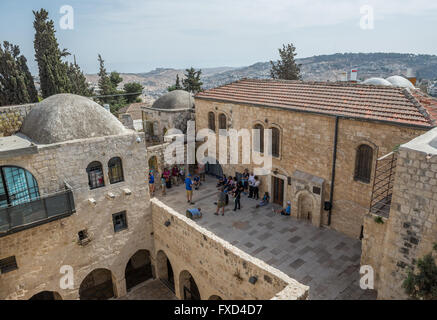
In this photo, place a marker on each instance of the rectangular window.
(120, 221)
(8, 265)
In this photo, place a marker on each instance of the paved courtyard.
(323, 259)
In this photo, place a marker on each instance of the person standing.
(251, 184)
(245, 180)
(175, 175)
(238, 190)
(189, 188)
(152, 183)
(201, 171)
(256, 188)
(163, 184)
(221, 201)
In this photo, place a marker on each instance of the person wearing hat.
(286, 211)
(189, 188)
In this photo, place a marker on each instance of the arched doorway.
(214, 168)
(305, 207)
(97, 285)
(188, 287)
(46, 295)
(153, 163)
(165, 270)
(214, 297)
(138, 269)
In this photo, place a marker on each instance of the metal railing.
(383, 185)
(43, 210)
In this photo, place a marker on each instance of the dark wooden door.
(278, 191)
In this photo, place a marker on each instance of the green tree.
(16, 81)
(78, 82)
(104, 83)
(192, 81)
(52, 71)
(134, 89)
(286, 68)
(176, 86)
(422, 283)
(56, 75)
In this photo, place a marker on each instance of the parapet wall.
(11, 118)
(218, 268)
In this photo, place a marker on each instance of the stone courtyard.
(321, 258)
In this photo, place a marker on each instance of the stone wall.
(11, 118)
(218, 268)
(41, 251)
(411, 230)
(307, 146)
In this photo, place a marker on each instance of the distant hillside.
(317, 68)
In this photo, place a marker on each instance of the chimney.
(354, 75)
(411, 76)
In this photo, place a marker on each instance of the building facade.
(326, 138)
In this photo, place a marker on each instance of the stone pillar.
(120, 288)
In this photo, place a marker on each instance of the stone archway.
(188, 287)
(153, 163)
(164, 270)
(97, 285)
(138, 269)
(46, 295)
(305, 207)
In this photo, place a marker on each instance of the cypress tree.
(52, 71)
(16, 81)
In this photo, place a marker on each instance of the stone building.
(172, 111)
(326, 138)
(74, 201)
(405, 230)
(72, 194)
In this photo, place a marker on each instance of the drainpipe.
(334, 161)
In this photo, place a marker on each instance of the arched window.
(276, 142)
(95, 175)
(211, 121)
(259, 138)
(363, 163)
(17, 186)
(223, 122)
(115, 170)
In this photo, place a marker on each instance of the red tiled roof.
(369, 102)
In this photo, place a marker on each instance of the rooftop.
(367, 102)
(321, 258)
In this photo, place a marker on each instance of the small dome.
(64, 117)
(399, 81)
(377, 82)
(177, 99)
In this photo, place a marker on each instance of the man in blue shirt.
(286, 211)
(189, 188)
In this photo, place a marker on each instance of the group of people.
(166, 179)
(248, 184)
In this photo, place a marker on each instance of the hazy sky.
(137, 36)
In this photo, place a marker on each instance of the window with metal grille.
(120, 221)
(259, 138)
(211, 121)
(17, 186)
(95, 175)
(276, 142)
(8, 264)
(223, 122)
(363, 163)
(115, 170)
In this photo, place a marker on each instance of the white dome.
(399, 81)
(377, 82)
